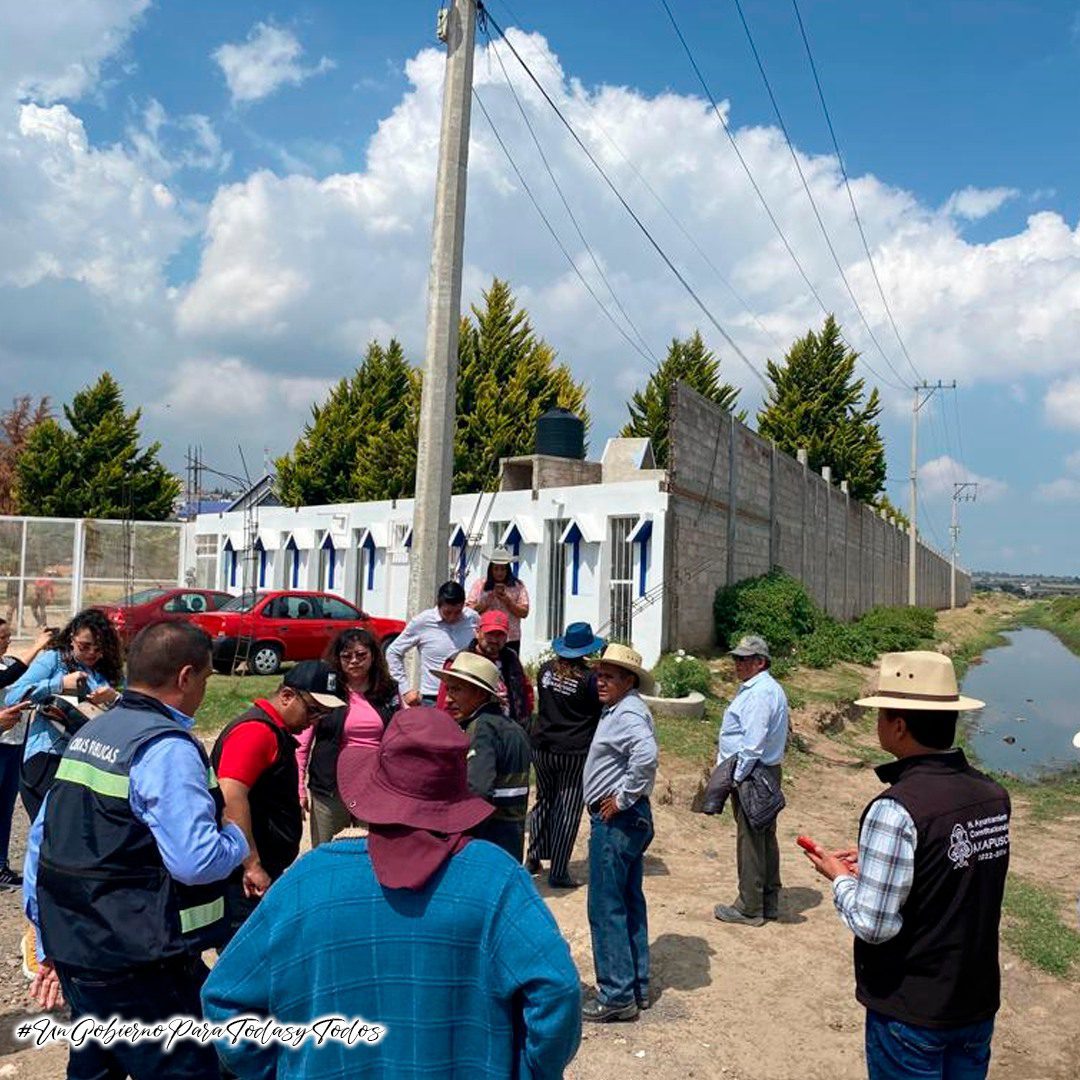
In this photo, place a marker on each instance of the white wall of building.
(378, 531)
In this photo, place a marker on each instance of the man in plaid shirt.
(922, 891)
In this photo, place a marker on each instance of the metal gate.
(556, 577)
(621, 590)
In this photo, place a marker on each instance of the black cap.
(319, 680)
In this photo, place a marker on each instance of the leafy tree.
(816, 403)
(507, 377)
(883, 502)
(361, 442)
(15, 427)
(686, 361)
(95, 469)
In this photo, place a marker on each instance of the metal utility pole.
(963, 491)
(435, 445)
(924, 391)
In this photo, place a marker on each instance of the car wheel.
(265, 660)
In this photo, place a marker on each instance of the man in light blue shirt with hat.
(754, 732)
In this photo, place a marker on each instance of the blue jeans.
(617, 917)
(10, 767)
(899, 1051)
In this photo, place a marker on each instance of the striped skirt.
(556, 813)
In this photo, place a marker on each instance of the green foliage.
(816, 403)
(507, 377)
(1061, 616)
(774, 605)
(832, 643)
(877, 631)
(677, 674)
(93, 468)
(883, 502)
(361, 442)
(15, 427)
(686, 361)
(1034, 928)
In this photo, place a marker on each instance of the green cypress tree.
(95, 469)
(687, 361)
(815, 402)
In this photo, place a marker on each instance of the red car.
(140, 609)
(267, 629)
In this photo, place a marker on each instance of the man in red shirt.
(255, 761)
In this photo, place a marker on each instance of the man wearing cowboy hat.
(754, 732)
(922, 892)
(620, 771)
(437, 942)
(498, 748)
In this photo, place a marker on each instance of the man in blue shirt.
(754, 733)
(126, 861)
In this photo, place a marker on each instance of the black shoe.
(596, 1011)
(533, 865)
(564, 883)
(9, 879)
(771, 916)
(731, 914)
(644, 1004)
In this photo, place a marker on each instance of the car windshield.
(144, 596)
(243, 602)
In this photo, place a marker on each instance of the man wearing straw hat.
(437, 942)
(922, 892)
(620, 771)
(498, 748)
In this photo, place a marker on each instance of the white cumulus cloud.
(973, 203)
(1062, 403)
(1063, 489)
(937, 477)
(269, 58)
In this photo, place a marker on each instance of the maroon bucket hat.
(418, 777)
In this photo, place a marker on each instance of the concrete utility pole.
(435, 446)
(963, 491)
(924, 391)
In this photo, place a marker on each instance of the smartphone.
(806, 844)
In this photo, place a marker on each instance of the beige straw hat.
(471, 668)
(622, 656)
(918, 680)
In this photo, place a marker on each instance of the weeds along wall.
(738, 507)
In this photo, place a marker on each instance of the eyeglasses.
(354, 657)
(86, 646)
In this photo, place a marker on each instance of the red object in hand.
(806, 844)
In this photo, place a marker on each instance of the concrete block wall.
(737, 506)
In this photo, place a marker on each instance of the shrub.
(895, 629)
(775, 605)
(677, 674)
(833, 642)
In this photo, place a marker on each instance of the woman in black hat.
(567, 715)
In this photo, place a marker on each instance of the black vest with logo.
(105, 900)
(277, 823)
(941, 970)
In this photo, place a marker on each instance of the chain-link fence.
(51, 568)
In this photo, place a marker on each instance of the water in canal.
(1032, 692)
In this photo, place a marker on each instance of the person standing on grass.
(255, 761)
(620, 772)
(126, 863)
(566, 718)
(922, 892)
(754, 732)
(435, 634)
(502, 590)
(373, 699)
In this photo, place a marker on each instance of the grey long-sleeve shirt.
(623, 756)
(435, 640)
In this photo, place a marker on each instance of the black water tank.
(559, 433)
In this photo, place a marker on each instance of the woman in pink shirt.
(502, 590)
(373, 700)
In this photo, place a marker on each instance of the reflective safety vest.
(105, 900)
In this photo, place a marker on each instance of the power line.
(626, 206)
(806, 188)
(566, 204)
(851, 195)
(959, 430)
(555, 236)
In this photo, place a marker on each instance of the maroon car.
(140, 609)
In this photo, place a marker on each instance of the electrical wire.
(566, 205)
(850, 194)
(626, 206)
(648, 357)
(809, 193)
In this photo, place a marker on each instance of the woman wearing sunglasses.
(373, 700)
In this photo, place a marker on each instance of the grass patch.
(227, 696)
(685, 737)
(1061, 616)
(1034, 929)
(1048, 799)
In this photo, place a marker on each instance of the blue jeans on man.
(899, 1051)
(617, 916)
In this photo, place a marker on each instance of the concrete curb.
(692, 706)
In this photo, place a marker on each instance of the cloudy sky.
(223, 203)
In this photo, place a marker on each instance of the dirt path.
(736, 1002)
